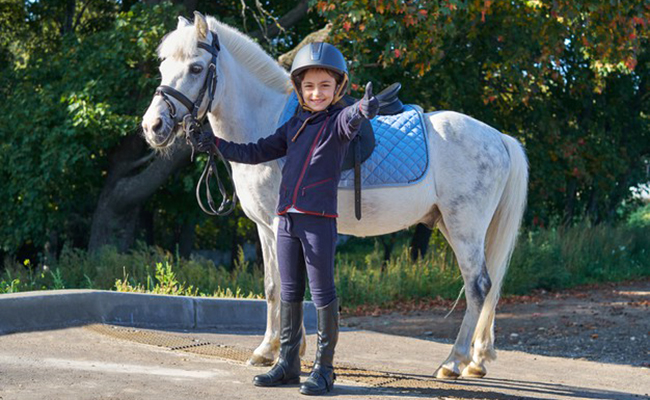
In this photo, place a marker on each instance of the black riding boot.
(321, 379)
(286, 370)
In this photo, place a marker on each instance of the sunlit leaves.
(567, 78)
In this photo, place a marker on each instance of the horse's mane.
(181, 44)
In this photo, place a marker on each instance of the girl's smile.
(318, 88)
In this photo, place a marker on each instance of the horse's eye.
(196, 69)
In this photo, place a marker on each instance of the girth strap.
(356, 142)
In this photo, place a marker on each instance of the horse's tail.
(500, 240)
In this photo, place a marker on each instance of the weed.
(550, 259)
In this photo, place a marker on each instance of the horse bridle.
(192, 126)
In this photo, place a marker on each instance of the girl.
(314, 142)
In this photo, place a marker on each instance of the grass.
(560, 258)
(143, 270)
(549, 259)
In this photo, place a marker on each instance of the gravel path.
(607, 323)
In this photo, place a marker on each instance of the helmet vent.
(316, 50)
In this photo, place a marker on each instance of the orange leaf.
(630, 63)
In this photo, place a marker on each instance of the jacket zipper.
(304, 167)
(315, 184)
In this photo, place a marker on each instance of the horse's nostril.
(157, 125)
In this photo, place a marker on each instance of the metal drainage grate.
(347, 372)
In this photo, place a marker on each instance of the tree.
(125, 192)
(568, 78)
(71, 148)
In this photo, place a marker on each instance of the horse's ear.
(182, 22)
(201, 25)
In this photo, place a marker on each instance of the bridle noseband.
(192, 125)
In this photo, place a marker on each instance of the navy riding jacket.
(312, 170)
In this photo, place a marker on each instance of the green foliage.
(567, 78)
(166, 283)
(558, 258)
(549, 259)
(373, 282)
(72, 95)
(640, 218)
(9, 286)
(62, 114)
(144, 270)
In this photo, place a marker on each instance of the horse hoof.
(259, 361)
(474, 371)
(444, 373)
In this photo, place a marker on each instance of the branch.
(81, 13)
(138, 188)
(142, 161)
(287, 21)
(321, 35)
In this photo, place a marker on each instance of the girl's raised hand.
(369, 105)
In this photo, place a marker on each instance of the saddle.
(363, 144)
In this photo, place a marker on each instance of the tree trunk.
(186, 239)
(387, 242)
(127, 4)
(127, 188)
(147, 227)
(234, 246)
(190, 5)
(419, 242)
(68, 18)
(570, 202)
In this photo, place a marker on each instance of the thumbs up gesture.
(369, 105)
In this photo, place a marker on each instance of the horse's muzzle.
(157, 133)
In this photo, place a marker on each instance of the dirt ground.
(606, 323)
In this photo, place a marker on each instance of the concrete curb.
(53, 309)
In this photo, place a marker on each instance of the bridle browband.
(192, 125)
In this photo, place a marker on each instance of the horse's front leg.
(267, 351)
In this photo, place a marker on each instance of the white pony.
(474, 190)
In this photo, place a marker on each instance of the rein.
(192, 127)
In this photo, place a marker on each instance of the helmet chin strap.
(339, 93)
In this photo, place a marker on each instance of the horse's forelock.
(179, 44)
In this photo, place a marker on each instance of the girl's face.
(318, 89)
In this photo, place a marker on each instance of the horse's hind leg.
(267, 351)
(468, 245)
(483, 350)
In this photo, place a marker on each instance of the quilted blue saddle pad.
(401, 155)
